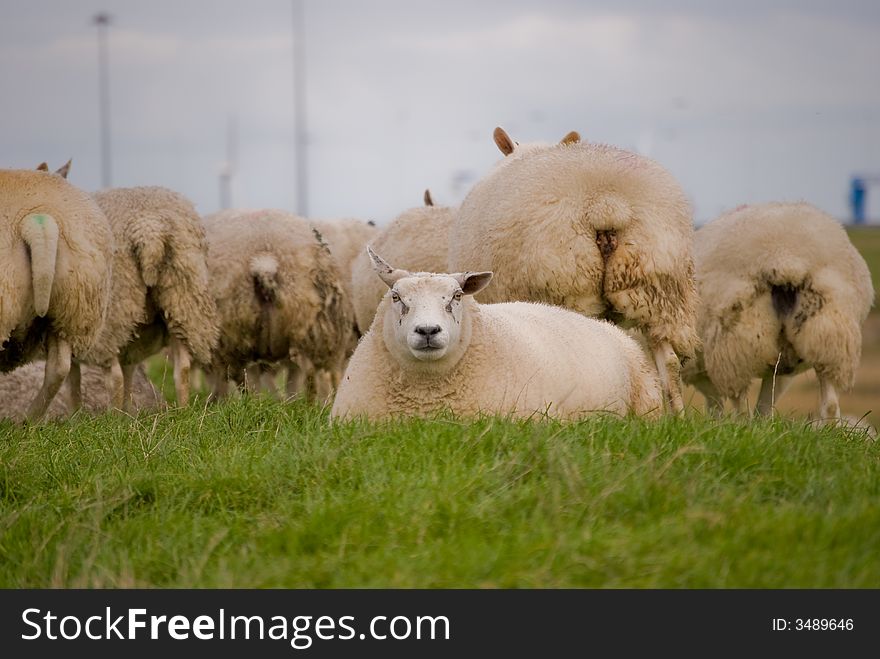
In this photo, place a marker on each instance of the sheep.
(417, 240)
(56, 255)
(782, 290)
(592, 228)
(160, 293)
(18, 386)
(279, 296)
(346, 238)
(432, 347)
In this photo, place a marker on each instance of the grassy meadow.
(259, 493)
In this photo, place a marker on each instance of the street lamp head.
(102, 18)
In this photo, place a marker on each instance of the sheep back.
(160, 268)
(535, 223)
(755, 261)
(277, 288)
(80, 287)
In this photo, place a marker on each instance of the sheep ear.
(473, 282)
(64, 170)
(42, 167)
(386, 273)
(503, 141)
(428, 200)
(572, 138)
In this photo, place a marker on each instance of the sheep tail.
(788, 280)
(607, 212)
(148, 238)
(40, 232)
(264, 270)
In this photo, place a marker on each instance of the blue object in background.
(857, 193)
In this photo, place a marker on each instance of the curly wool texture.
(80, 288)
(806, 256)
(160, 277)
(534, 223)
(278, 291)
(416, 240)
(347, 238)
(18, 387)
(518, 361)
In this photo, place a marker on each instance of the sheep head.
(427, 316)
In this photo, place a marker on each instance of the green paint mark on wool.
(40, 219)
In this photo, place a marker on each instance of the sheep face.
(426, 318)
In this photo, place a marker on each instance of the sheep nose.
(428, 330)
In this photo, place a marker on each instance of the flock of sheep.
(593, 292)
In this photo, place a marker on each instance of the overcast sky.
(743, 101)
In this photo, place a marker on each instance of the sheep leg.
(115, 384)
(829, 406)
(296, 379)
(252, 379)
(74, 378)
(180, 356)
(771, 392)
(127, 378)
(741, 403)
(196, 379)
(323, 385)
(218, 382)
(669, 369)
(714, 399)
(57, 368)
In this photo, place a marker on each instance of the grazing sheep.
(592, 228)
(782, 290)
(19, 386)
(160, 292)
(433, 347)
(279, 295)
(417, 240)
(56, 253)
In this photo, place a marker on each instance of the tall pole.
(102, 20)
(227, 171)
(299, 107)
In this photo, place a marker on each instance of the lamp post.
(299, 108)
(102, 21)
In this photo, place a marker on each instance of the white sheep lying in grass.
(432, 347)
(56, 252)
(783, 290)
(279, 295)
(592, 228)
(417, 240)
(160, 291)
(18, 387)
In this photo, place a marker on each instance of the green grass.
(867, 241)
(255, 493)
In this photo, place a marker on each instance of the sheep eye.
(457, 296)
(395, 297)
